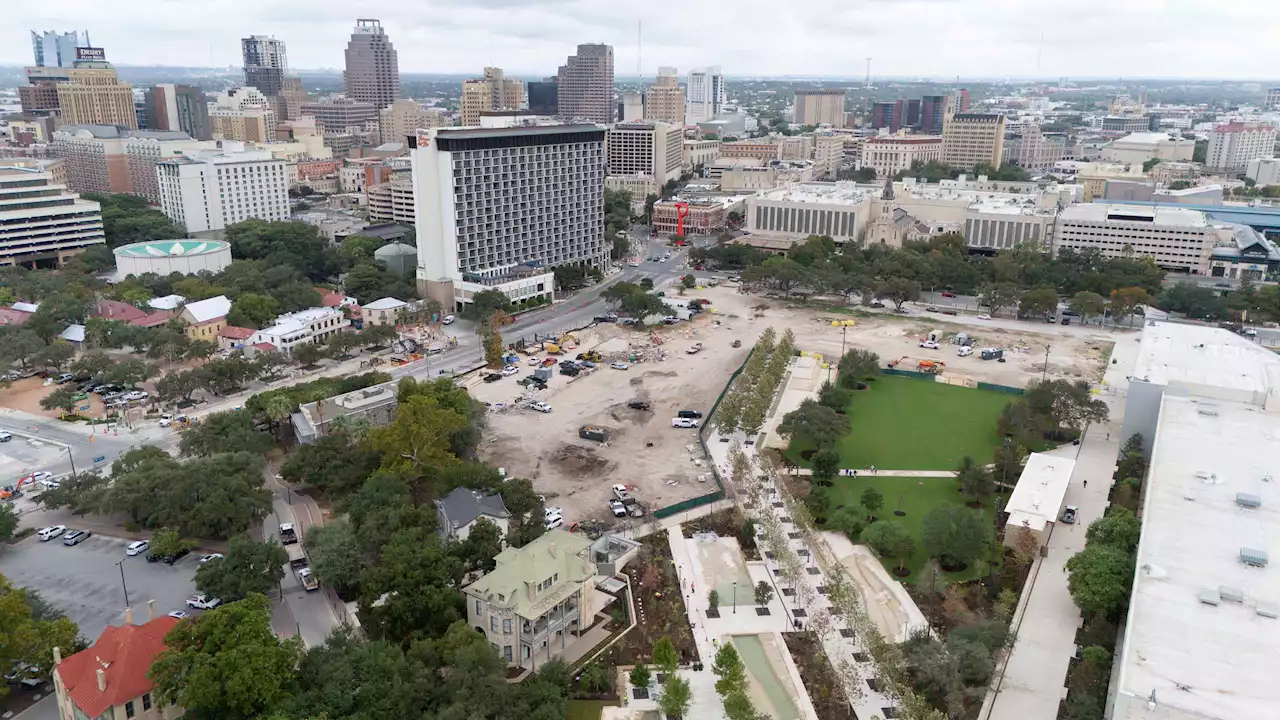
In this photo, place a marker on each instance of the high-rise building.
(41, 221)
(292, 96)
(933, 110)
(498, 208)
(95, 157)
(140, 109)
(544, 97)
(264, 64)
(244, 114)
(820, 107)
(55, 49)
(646, 148)
(585, 85)
(664, 99)
(93, 94)
(888, 115)
(912, 118)
(209, 190)
(373, 68)
(337, 114)
(491, 93)
(1272, 101)
(179, 108)
(144, 149)
(704, 94)
(403, 118)
(971, 139)
(1234, 144)
(630, 107)
(1033, 150)
(960, 101)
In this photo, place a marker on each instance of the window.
(493, 624)
(506, 627)
(479, 607)
(128, 709)
(146, 701)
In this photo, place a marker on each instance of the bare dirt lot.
(666, 464)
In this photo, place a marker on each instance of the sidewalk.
(856, 472)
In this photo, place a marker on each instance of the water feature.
(755, 657)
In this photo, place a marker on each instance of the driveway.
(84, 581)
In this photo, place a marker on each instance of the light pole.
(123, 583)
(1045, 371)
(735, 597)
(844, 326)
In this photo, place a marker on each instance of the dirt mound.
(579, 459)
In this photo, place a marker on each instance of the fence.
(981, 385)
(907, 373)
(1001, 388)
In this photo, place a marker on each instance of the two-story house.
(108, 681)
(459, 510)
(313, 325)
(206, 318)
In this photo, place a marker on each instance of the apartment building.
(646, 148)
(704, 94)
(95, 157)
(664, 100)
(1177, 239)
(313, 325)
(179, 108)
(1030, 149)
(144, 149)
(971, 139)
(1234, 144)
(820, 107)
(891, 154)
(498, 208)
(243, 114)
(492, 92)
(211, 189)
(585, 85)
(373, 66)
(403, 118)
(265, 63)
(40, 221)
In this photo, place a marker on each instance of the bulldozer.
(590, 356)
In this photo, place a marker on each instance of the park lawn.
(586, 709)
(902, 423)
(916, 496)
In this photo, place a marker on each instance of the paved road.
(310, 614)
(42, 443)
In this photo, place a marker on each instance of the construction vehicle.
(931, 367)
(591, 356)
(14, 491)
(899, 361)
(297, 557)
(307, 579)
(553, 349)
(992, 353)
(288, 535)
(591, 432)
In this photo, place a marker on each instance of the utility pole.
(124, 584)
(1045, 371)
(867, 85)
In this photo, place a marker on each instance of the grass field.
(902, 423)
(585, 709)
(916, 497)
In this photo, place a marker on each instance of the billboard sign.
(91, 53)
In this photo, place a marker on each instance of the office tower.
(179, 107)
(373, 68)
(292, 97)
(54, 49)
(664, 100)
(264, 64)
(704, 94)
(585, 85)
(1272, 101)
(140, 108)
(630, 107)
(1234, 144)
(40, 220)
(544, 97)
(492, 92)
(820, 107)
(888, 115)
(144, 149)
(244, 114)
(498, 208)
(933, 110)
(403, 118)
(211, 189)
(337, 114)
(959, 101)
(94, 95)
(912, 118)
(94, 156)
(971, 139)
(646, 148)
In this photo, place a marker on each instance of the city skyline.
(985, 38)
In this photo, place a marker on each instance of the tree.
(899, 290)
(1126, 301)
(889, 539)
(1088, 304)
(999, 296)
(333, 554)
(130, 373)
(28, 633)
(955, 535)
(858, 365)
(294, 244)
(221, 432)
(764, 593)
(229, 664)
(688, 282)
(974, 480)
(1099, 579)
(1118, 529)
(485, 303)
(166, 542)
(482, 545)
(490, 332)
(676, 696)
(338, 463)
(411, 594)
(640, 675)
(731, 676)
(419, 436)
(1038, 302)
(56, 355)
(8, 522)
(94, 363)
(63, 398)
(570, 277)
(871, 499)
(248, 567)
(814, 423)
(307, 354)
(713, 601)
(849, 521)
(646, 283)
(1148, 164)
(826, 464)
(834, 396)
(252, 310)
(665, 656)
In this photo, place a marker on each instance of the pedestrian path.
(856, 472)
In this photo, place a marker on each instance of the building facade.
(543, 97)
(639, 187)
(264, 64)
(95, 158)
(630, 107)
(1234, 144)
(699, 152)
(94, 95)
(55, 49)
(403, 118)
(145, 148)
(704, 94)
(820, 107)
(1263, 171)
(209, 190)
(971, 139)
(498, 208)
(392, 202)
(892, 154)
(1177, 239)
(110, 679)
(585, 85)
(179, 108)
(1031, 149)
(493, 92)
(760, 149)
(646, 148)
(664, 100)
(839, 210)
(337, 114)
(243, 114)
(40, 221)
(313, 325)
(1140, 147)
(373, 67)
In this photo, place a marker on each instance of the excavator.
(929, 367)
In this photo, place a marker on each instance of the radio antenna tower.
(639, 47)
(868, 82)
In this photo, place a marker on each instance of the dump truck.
(307, 579)
(297, 558)
(288, 535)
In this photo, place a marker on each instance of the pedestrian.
(1086, 483)
(855, 474)
(873, 469)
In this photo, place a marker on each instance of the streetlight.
(735, 597)
(124, 584)
(844, 326)
(1045, 371)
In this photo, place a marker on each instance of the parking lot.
(84, 581)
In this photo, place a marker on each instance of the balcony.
(549, 623)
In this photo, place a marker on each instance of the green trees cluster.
(29, 630)
(1052, 410)
(731, 684)
(617, 221)
(952, 672)
(129, 219)
(1101, 575)
(635, 300)
(746, 404)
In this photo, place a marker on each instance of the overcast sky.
(912, 38)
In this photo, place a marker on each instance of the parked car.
(555, 522)
(684, 423)
(695, 414)
(619, 366)
(510, 370)
(492, 377)
(948, 294)
(203, 602)
(211, 556)
(135, 395)
(137, 547)
(534, 362)
(552, 512)
(610, 318)
(670, 320)
(965, 351)
(51, 532)
(64, 378)
(877, 304)
(1069, 514)
(47, 484)
(617, 508)
(448, 319)
(984, 316)
(638, 405)
(5, 436)
(178, 614)
(929, 344)
(75, 537)
(541, 407)
(171, 559)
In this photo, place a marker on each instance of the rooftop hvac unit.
(1248, 500)
(1267, 610)
(1208, 412)
(1253, 557)
(1208, 597)
(1230, 594)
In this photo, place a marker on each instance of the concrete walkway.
(1034, 677)
(856, 472)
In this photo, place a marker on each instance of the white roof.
(386, 303)
(210, 309)
(1149, 138)
(168, 302)
(1203, 655)
(73, 333)
(840, 193)
(1154, 215)
(308, 315)
(25, 307)
(1037, 498)
(1210, 360)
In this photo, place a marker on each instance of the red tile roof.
(329, 298)
(235, 333)
(125, 654)
(155, 319)
(266, 346)
(116, 310)
(9, 316)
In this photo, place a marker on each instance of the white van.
(448, 319)
(965, 350)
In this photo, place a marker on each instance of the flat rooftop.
(986, 201)
(1202, 633)
(1205, 358)
(1153, 214)
(820, 193)
(1037, 498)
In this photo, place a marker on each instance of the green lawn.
(586, 709)
(902, 423)
(916, 497)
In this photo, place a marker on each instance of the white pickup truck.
(308, 580)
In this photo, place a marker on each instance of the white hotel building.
(313, 325)
(209, 190)
(41, 221)
(499, 208)
(1233, 145)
